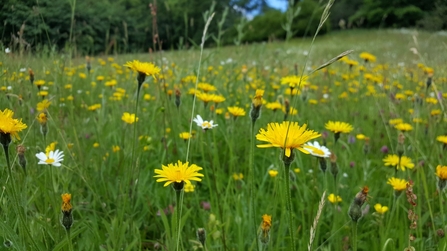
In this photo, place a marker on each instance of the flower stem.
(70, 244)
(15, 199)
(289, 203)
(178, 213)
(354, 236)
(252, 183)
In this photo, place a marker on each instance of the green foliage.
(268, 26)
(394, 13)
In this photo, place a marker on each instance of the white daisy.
(53, 158)
(316, 150)
(204, 123)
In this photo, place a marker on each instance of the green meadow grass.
(117, 203)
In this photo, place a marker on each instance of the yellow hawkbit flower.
(397, 184)
(334, 199)
(273, 173)
(238, 176)
(441, 172)
(265, 228)
(10, 126)
(402, 163)
(178, 173)
(43, 105)
(129, 118)
(380, 209)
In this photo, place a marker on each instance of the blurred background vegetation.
(90, 27)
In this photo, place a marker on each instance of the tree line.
(130, 26)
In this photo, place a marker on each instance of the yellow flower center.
(49, 161)
(206, 124)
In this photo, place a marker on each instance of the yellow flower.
(96, 145)
(238, 176)
(189, 188)
(185, 135)
(42, 118)
(206, 87)
(42, 93)
(294, 81)
(115, 149)
(39, 82)
(178, 173)
(148, 69)
(273, 173)
(100, 78)
(360, 136)
(395, 121)
(368, 57)
(218, 99)
(205, 97)
(297, 170)
(9, 125)
(442, 139)
(274, 106)
(42, 106)
(393, 160)
(277, 134)
(380, 209)
(334, 198)
(50, 147)
(66, 199)
(403, 127)
(236, 111)
(338, 127)
(441, 172)
(397, 184)
(257, 99)
(94, 107)
(129, 118)
(265, 227)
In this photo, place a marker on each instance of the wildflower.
(441, 172)
(402, 162)
(274, 106)
(256, 105)
(206, 87)
(368, 57)
(67, 217)
(442, 139)
(338, 127)
(185, 135)
(238, 176)
(380, 209)
(287, 135)
(43, 105)
(355, 209)
(397, 184)
(9, 127)
(50, 147)
(115, 149)
(273, 173)
(178, 173)
(265, 228)
(404, 127)
(42, 118)
(144, 69)
(236, 111)
(395, 121)
(204, 123)
(94, 107)
(315, 149)
(334, 199)
(360, 136)
(129, 118)
(189, 188)
(53, 158)
(294, 81)
(96, 145)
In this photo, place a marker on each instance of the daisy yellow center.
(49, 161)
(206, 124)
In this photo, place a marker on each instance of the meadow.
(383, 184)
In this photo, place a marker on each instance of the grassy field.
(243, 201)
